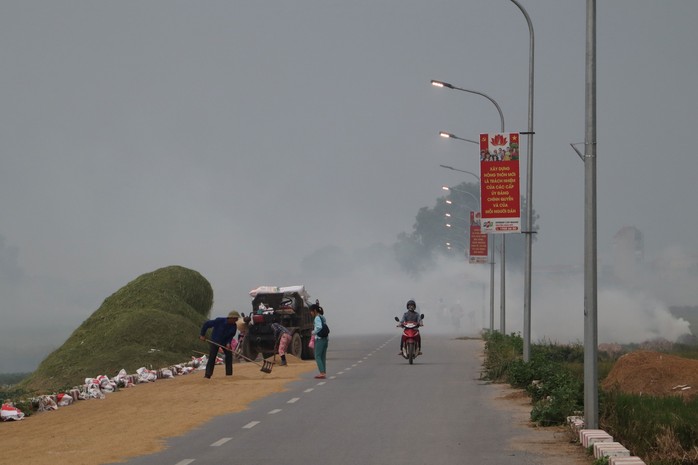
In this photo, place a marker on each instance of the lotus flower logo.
(498, 140)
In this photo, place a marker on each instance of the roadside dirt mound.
(655, 374)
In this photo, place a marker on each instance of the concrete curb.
(603, 444)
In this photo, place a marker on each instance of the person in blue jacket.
(223, 331)
(321, 343)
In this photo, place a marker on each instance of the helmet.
(411, 303)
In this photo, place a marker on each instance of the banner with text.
(500, 189)
(478, 241)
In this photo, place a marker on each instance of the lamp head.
(441, 84)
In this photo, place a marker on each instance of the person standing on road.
(321, 343)
(283, 338)
(222, 334)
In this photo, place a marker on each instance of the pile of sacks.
(9, 412)
(98, 387)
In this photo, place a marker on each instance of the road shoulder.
(555, 443)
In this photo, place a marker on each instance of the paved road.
(374, 408)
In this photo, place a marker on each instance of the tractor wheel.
(308, 353)
(296, 346)
(248, 350)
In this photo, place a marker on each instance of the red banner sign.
(478, 241)
(500, 190)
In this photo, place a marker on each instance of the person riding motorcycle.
(412, 315)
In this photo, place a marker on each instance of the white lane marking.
(333, 377)
(347, 369)
(340, 373)
(293, 401)
(321, 383)
(220, 442)
(309, 390)
(251, 425)
(360, 361)
(184, 462)
(354, 365)
(276, 410)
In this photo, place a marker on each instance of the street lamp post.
(491, 236)
(591, 376)
(502, 290)
(529, 193)
(492, 262)
(449, 246)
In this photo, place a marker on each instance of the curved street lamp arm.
(451, 86)
(501, 115)
(462, 171)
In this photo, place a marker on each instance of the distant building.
(628, 254)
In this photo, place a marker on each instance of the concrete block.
(610, 449)
(586, 436)
(576, 422)
(631, 460)
(591, 440)
(585, 432)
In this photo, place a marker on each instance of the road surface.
(374, 408)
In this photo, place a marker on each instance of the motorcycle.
(410, 338)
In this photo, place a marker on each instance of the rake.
(266, 365)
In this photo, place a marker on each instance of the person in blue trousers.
(318, 313)
(224, 329)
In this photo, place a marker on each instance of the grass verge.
(660, 430)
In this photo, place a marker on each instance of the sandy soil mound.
(654, 373)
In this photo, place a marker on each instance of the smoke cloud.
(455, 298)
(362, 291)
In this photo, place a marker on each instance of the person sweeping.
(222, 334)
(283, 338)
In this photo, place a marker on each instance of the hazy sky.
(237, 138)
